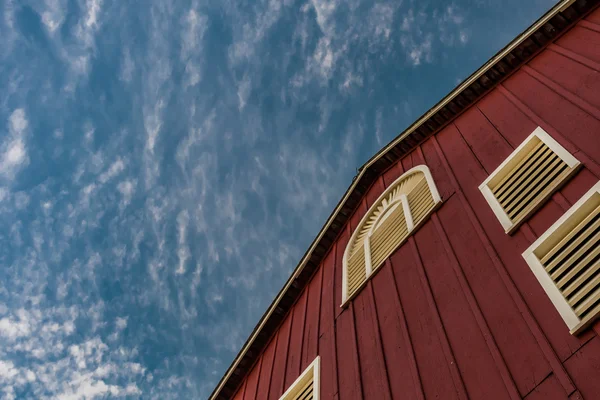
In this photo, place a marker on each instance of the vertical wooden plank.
(545, 217)
(329, 369)
(342, 242)
(574, 77)
(407, 162)
(294, 357)
(584, 368)
(347, 357)
(519, 284)
(589, 162)
(579, 185)
(279, 364)
(501, 117)
(252, 381)
(374, 191)
(311, 327)
(582, 41)
(512, 124)
(434, 368)
(488, 146)
(372, 364)
(511, 344)
(473, 345)
(594, 16)
(393, 173)
(328, 302)
(515, 126)
(572, 122)
(400, 359)
(240, 393)
(468, 173)
(549, 389)
(438, 172)
(417, 156)
(266, 369)
(357, 216)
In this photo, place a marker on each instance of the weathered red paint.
(279, 363)
(455, 313)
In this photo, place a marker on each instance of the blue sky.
(165, 164)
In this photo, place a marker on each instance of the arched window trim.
(385, 213)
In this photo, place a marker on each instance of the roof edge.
(561, 6)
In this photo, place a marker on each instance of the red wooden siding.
(455, 312)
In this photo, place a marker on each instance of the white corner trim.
(313, 369)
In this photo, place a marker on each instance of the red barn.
(464, 260)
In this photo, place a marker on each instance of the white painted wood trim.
(384, 214)
(557, 299)
(545, 137)
(496, 207)
(560, 303)
(368, 263)
(410, 224)
(485, 190)
(313, 369)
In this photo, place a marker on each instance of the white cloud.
(249, 35)
(418, 52)
(127, 67)
(194, 28)
(53, 14)
(243, 92)
(121, 323)
(12, 329)
(115, 169)
(14, 155)
(7, 370)
(324, 10)
(381, 18)
(127, 190)
(183, 251)
(324, 58)
(89, 23)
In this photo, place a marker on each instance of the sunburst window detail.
(394, 216)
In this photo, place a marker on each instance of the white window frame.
(313, 369)
(384, 214)
(575, 324)
(574, 164)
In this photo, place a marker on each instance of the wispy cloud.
(13, 148)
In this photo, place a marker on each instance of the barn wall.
(455, 313)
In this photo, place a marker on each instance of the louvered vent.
(306, 387)
(306, 392)
(389, 222)
(357, 272)
(420, 201)
(574, 265)
(569, 254)
(388, 236)
(528, 177)
(524, 185)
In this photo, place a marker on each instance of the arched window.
(396, 214)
